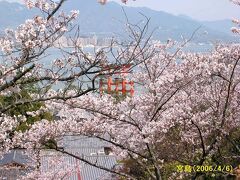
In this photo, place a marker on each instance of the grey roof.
(92, 173)
(13, 173)
(91, 149)
(86, 171)
(86, 151)
(82, 142)
(15, 156)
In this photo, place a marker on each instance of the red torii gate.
(120, 84)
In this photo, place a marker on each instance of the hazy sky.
(197, 9)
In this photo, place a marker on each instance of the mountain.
(220, 25)
(11, 14)
(110, 19)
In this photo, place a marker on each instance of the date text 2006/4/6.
(204, 168)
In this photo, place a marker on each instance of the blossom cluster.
(184, 102)
(191, 97)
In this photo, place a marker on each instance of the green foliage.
(133, 168)
(22, 109)
(169, 168)
(50, 144)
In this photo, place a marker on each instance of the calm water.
(53, 54)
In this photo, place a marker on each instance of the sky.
(196, 9)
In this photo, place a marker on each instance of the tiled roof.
(86, 171)
(15, 156)
(82, 142)
(91, 149)
(19, 162)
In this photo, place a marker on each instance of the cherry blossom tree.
(185, 110)
(236, 21)
(28, 68)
